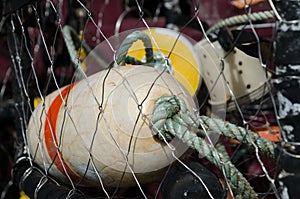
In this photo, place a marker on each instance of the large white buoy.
(84, 132)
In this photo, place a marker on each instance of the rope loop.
(129, 41)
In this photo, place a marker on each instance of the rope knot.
(172, 118)
(166, 108)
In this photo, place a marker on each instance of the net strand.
(271, 180)
(222, 160)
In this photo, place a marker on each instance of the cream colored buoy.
(246, 77)
(90, 128)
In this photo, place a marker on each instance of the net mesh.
(83, 123)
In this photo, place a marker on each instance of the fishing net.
(139, 99)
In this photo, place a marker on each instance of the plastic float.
(97, 130)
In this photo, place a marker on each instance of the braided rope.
(266, 147)
(68, 31)
(172, 118)
(256, 16)
(128, 42)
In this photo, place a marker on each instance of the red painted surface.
(52, 144)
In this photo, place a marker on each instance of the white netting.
(85, 124)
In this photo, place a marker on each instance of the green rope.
(172, 118)
(132, 60)
(256, 16)
(156, 60)
(67, 33)
(128, 42)
(70, 36)
(266, 147)
(221, 149)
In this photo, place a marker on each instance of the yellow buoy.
(180, 50)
